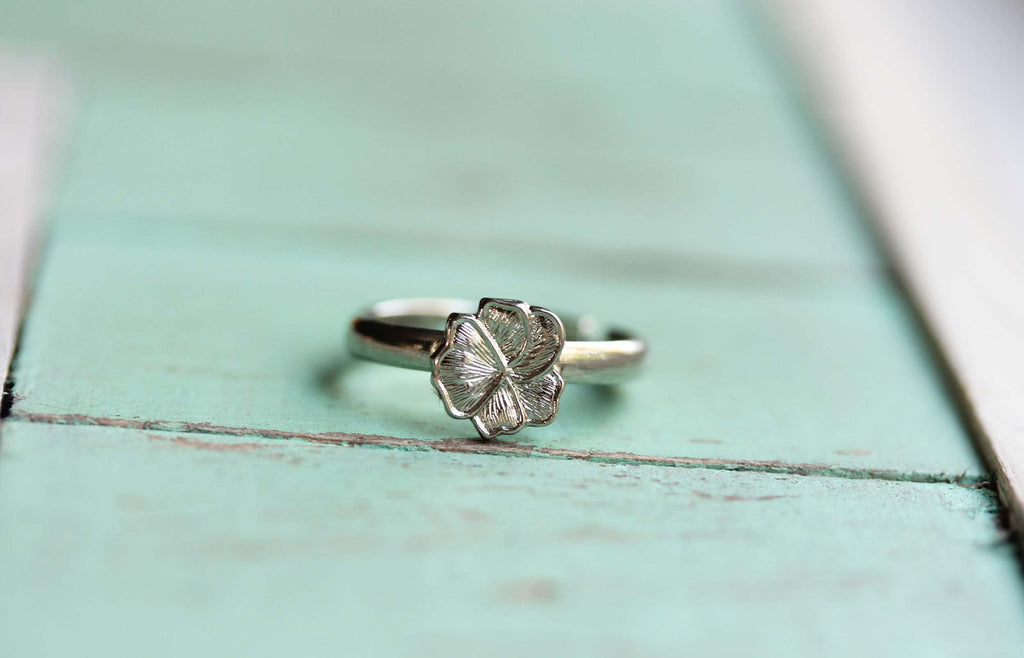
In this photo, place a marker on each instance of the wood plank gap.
(30, 95)
(904, 87)
(509, 449)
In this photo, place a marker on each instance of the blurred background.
(542, 126)
(217, 187)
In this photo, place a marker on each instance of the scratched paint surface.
(262, 547)
(238, 185)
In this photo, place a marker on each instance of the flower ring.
(503, 365)
(500, 366)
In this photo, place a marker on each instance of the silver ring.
(503, 364)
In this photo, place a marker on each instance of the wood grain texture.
(553, 140)
(189, 324)
(917, 142)
(339, 152)
(202, 545)
(242, 183)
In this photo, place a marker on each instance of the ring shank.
(407, 332)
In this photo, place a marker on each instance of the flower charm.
(500, 366)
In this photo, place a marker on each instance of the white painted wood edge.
(31, 101)
(895, 83)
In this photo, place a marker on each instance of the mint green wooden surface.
(167, 544)
(236, 186)
(519, 164)
(610, 125)
(198, 324)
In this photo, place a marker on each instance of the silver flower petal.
(500, 366)
(544, 344)
(508, 322)
(540, 396)
(468, 369)
(502, 413)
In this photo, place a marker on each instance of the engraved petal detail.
(508, 324)
(540, 397)
(500, 366)
(543, 344)
(468, 370)
(501, 414)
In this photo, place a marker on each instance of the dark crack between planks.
(510, 449)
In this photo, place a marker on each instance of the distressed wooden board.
(166, 323)
(940, 161)
(242, 183)
(700, 41)
(29, 100)
(211, 546)
(646, 167)
(709, 165)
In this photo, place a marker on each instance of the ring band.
(502, 363)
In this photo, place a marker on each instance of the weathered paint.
(930, 205)
(242, 183)
(168, 544)
(687, 146)
(247, 331)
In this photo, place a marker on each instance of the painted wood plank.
(164, 322)
(245, 545)
(924, 153)
(29, 102)
(668, 169)
(211, 546)
(703, 158)
(700, 40)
